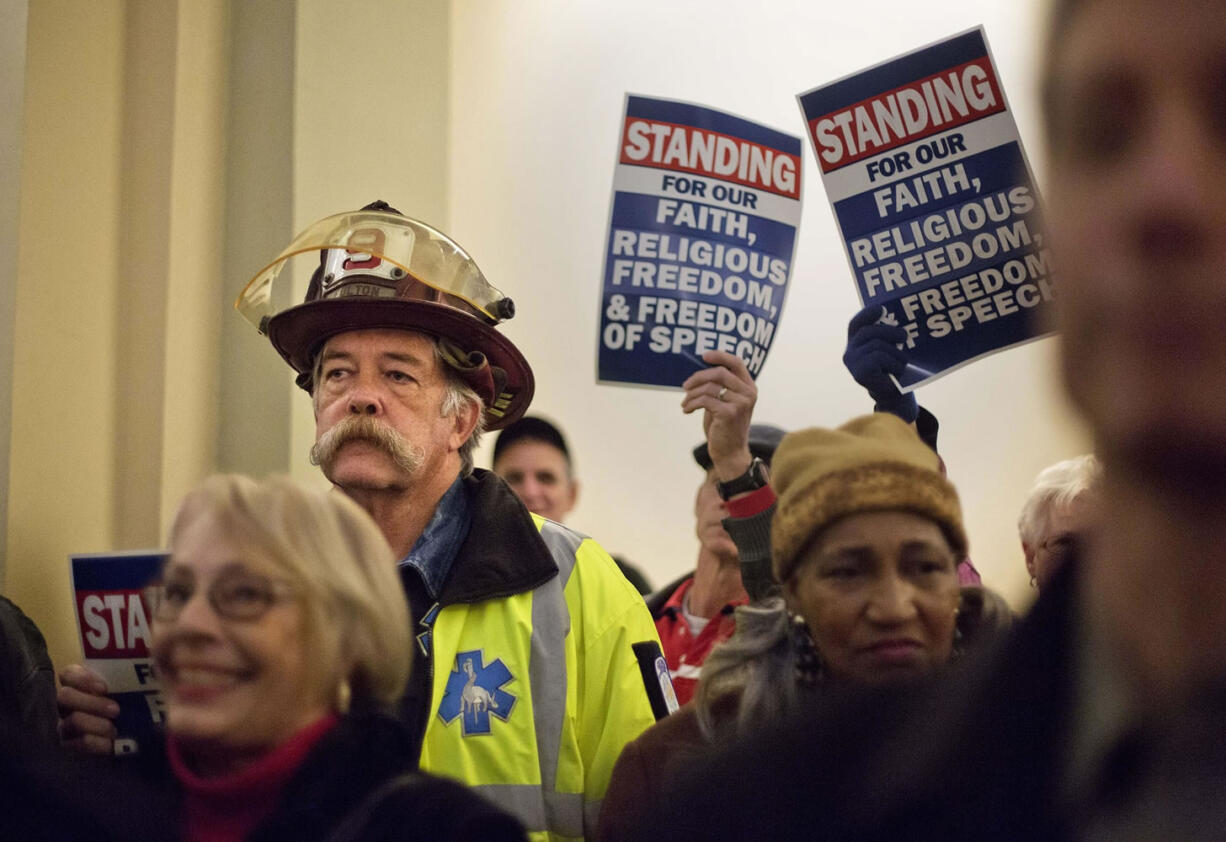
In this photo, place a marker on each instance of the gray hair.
(458, 395)
(751, 677)
(1057, 485)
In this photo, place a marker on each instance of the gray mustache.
(369, 429)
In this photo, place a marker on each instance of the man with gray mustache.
(397, 346)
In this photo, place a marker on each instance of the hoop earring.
(809, 668)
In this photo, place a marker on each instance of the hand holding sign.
(111, 703)
(726, 393)
(873, 354)
(86, 712)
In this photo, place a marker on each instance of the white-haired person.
(866, 542)
(280, 638)
(1058, 515)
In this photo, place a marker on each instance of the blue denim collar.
(433, 553)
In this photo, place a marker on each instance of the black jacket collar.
(504, 553)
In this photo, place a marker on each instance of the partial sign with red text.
(935, 201)
(113, 617)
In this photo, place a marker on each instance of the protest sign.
(702, 232)
(113, 617)
(935, 202)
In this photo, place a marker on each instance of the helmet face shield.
(372, 254)
(375, 269)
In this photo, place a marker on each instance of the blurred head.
(274, 598)
(1058, 515)
(865, 542)
(532, 457)
(709, 509)
(1134, 97)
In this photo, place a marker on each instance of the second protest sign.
(923, 166)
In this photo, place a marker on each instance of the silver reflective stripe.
(591, 812)
(562, 812)
(553, 812)
(563, 545)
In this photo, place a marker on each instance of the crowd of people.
(427, 651)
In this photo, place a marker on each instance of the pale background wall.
(157, 152)
(13, 21)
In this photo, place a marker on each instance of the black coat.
(976, 753)
(356, 783)
(27, 680)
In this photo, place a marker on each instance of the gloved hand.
(872, 355)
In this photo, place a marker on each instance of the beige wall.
(13, 14)
(61, 462)
(254, 394)
(370, 122)
(169, 149)
(115, 338)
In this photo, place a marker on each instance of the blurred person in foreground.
(1058, 515)
(865, 542)
(1104, 716)
(531, 456)
(282, 644)
(527, 684)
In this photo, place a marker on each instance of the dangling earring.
(956, 650)
(344, 696)
(808, 661)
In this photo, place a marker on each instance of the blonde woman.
(281, 639)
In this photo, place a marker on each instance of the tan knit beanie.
(872, 463)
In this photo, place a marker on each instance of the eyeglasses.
(235, 594)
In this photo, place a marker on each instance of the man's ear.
(1028, 551)
(465, 421)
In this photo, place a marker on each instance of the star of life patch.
(474, 693)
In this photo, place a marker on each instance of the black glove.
(872, 355)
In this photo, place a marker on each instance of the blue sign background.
(765, 245)
(132, 572)
(1000, 322)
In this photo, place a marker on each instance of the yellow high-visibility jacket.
(534, 687)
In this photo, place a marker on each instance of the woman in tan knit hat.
(865, 545)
